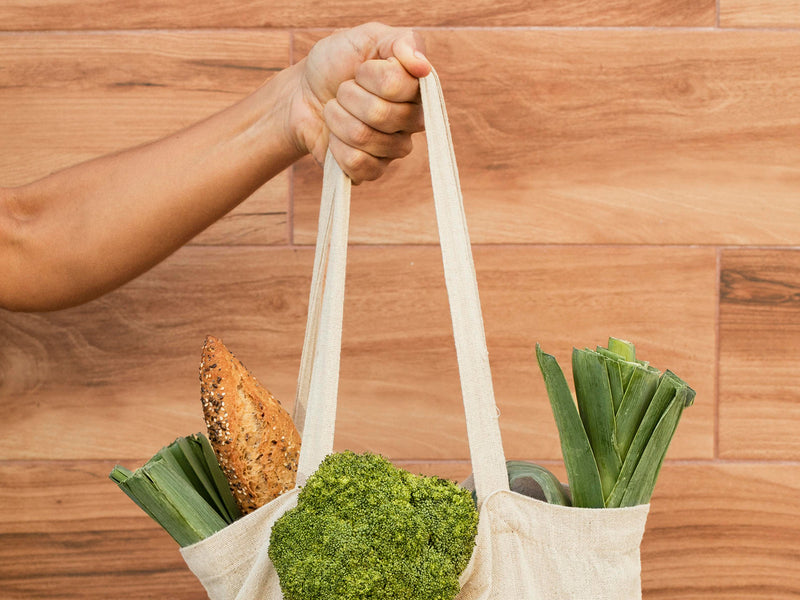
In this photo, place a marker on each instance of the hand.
(359, 94)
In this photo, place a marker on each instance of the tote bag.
(525, 549)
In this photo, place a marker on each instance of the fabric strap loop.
(319, 372)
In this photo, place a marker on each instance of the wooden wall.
(630, 168)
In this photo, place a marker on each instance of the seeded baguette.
(254, 438)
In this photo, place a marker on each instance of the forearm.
(79, 233)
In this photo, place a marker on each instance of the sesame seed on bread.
(254, 438)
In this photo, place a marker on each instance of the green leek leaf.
(622, 347)
(640, 488)
(637, 398)
(519, 471)
(668, 386)
(596, 408)
(584, 478)
(182, 488)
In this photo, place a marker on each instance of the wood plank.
(759, 13)
(119, 89)
(759, 353)
(68, 532)
(155, 14)
(601, 136)
(245, 229)
(722, 532)
(139, 350)
(62, 496)
(85, 566)
(118, 376)
(68, 98)
(715, 530)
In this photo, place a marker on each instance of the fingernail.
(420, 55)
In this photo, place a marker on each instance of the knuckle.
(356, 162)
(361, 134)
(394, 82)
(379, 113)
(364, 167)
(345, 90)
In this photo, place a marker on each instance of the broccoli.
(365, 530)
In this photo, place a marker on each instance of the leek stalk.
(183, 489)
(615, 435)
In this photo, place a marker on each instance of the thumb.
(409, 49)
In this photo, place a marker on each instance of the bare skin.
(81, 232)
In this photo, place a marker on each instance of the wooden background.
(630, 168)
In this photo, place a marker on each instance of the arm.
(81, 232)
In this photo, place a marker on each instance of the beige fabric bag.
(525, 549)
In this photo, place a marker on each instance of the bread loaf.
(254, 438)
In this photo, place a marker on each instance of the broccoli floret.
(365, 530)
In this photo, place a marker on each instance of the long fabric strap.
(318, 381)
(333, 178)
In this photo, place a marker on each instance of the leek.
(596, 408)
(522, 473)
(183, 489)
(582, 473)
(616, 433)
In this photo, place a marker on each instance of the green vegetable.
(183, 489)
(584, 478)
(670, 389)
(640, 390)
(364, 529)
(596, 407)
(520, 472)
(641, 485)
(622, 348)
(615, 383)
(627, 413)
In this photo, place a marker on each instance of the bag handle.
(331, 181)
(318, 381)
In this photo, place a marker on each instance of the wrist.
(305, 122)
(278, 120)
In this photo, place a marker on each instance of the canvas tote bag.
(525, 549)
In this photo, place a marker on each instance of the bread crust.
(253, 436)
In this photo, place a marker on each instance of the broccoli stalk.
(364, 529)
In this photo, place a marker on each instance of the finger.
(359, 135)
(378, 113)
(408, 47)
(388, 79)
(358, 165)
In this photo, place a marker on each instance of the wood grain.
(68, 532)
(598, 136)
(759, 353)
(723, 531)
(629, 169)
(759, 13)
(118, 376)
(69, 98)
(261, 220)
(714, 531)
(136, 14)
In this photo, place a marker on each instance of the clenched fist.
(359, 94)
